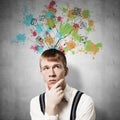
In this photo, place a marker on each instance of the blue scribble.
(39, 28)
(49, 15)
(28, 19)
(40, 49)
(21, 37)
(48, 30)
(59, 35)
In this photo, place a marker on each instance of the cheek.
(62, 74)
(44, 76)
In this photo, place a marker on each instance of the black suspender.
(42, 102)
(74, 104)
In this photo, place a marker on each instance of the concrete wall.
(19, 69)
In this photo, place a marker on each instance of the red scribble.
(53, 26)
(34, 33)
(51, 6)
(76, 25)
(52, 3)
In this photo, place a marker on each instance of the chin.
(50, 86)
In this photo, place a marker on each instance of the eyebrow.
(50, 66)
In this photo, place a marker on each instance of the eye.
(45, 68)
(57, 66)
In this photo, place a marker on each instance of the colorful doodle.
(67, 30)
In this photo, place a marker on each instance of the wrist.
(51, 110)
(51, 117)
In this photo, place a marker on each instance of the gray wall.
(19, 70)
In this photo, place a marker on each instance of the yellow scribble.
(49, 40)
(75, 29)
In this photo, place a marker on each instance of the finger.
(58, 88)
(58, 83)
(61, 94)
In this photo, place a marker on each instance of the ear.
(41, 73)
(66, 71)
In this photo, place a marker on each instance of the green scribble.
(66, 49)
(76, 36)
(89, 29)
(86, 13)
(99, 45)
(87, 45)
(64, 10)
(65, 29)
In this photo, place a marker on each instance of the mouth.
(52, 81)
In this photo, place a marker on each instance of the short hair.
(54, 55)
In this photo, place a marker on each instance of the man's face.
(52, 72)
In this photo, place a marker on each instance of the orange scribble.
(71, 14)
(93, 48)
(52, 10)
(91, 23)
(49, 40)
(70, 45)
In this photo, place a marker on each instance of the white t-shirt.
(85, 109)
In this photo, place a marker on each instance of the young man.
(57, 102)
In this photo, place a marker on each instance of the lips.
(52, 81)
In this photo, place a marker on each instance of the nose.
(52, 73)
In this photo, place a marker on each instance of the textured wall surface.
(19, 69)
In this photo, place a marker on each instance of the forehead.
(46, 61)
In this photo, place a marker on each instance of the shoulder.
(34, 101)
(86, 101)
(86, 98)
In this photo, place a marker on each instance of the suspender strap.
(74, 105)
(42, 102)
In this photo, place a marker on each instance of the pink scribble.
(46, 33)
(59, 18)
(34, 47)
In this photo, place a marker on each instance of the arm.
(36, 113)
(53, 98)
